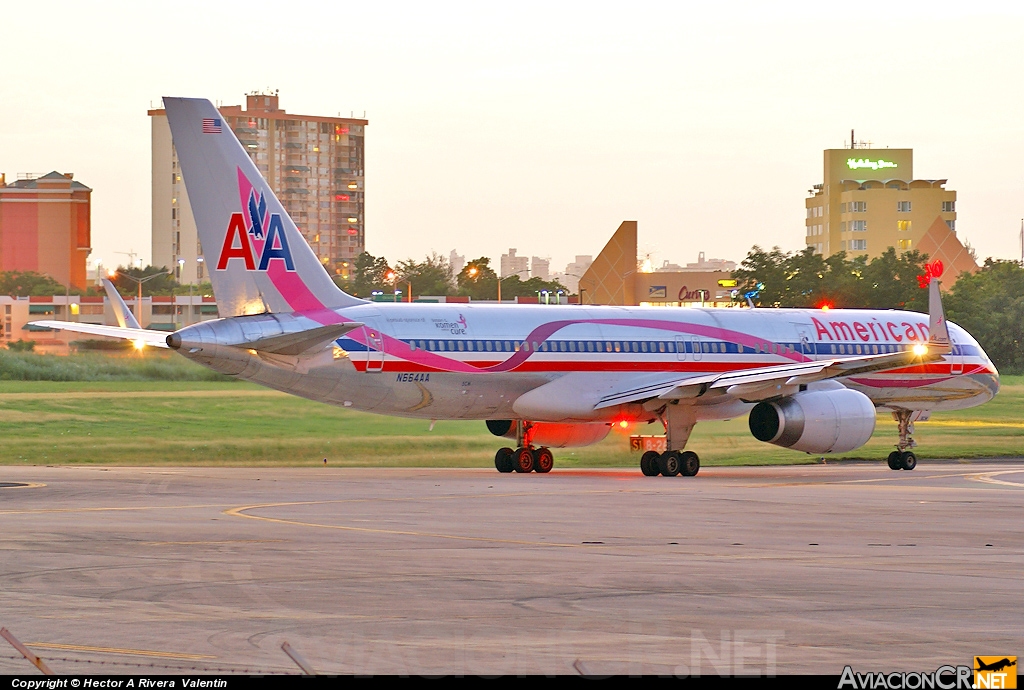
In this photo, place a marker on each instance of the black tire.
(689, 464)
(649, 463)
(908, 460)
(522, 460)
(895, 461)
(503, 460)
(543, 460)
(668, 463)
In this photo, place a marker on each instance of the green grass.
(151, 365)
(233, 423)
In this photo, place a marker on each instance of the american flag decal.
(211, 125)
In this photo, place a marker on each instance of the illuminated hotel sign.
(857, 163)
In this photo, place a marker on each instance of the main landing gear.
(670, 463)
(524, 459)
(678, 421)
(902, 458)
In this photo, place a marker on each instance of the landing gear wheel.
(649, 463)
(668, 463)
(895, 462)
(543, 460)
(908, 460)
(503, 460)
(522, 460)
(689, 464)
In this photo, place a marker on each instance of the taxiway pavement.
(453, 571)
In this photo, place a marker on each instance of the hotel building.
(869, 201)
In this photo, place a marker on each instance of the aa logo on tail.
(261, 236)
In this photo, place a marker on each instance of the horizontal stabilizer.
(151, 338)
(302, 342)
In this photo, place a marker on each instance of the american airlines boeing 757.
(545, 376)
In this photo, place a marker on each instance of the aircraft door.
(806, 344)
(374, 350)
(695, 343)
(681, 347)
(956, 357)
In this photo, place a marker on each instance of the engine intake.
(832, 421)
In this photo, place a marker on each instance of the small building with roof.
(45, 226)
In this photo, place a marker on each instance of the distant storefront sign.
(646, 443)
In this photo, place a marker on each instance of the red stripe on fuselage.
(403, 366)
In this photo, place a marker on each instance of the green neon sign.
(857, 163)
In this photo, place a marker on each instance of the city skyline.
(543, 128)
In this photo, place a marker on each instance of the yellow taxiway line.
(240, 512)
(116, 650)
(987, 477)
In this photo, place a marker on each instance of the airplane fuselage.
(460, 361)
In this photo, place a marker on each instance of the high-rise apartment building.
(45, 226)
(574, 271)
(869, 201)
(314, 164)
(540, 268)
(457, 262)
(514, 265)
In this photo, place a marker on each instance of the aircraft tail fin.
(125, 317)
(258, 261)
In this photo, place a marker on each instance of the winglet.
(938, 333)
(125, 318)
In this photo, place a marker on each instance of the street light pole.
(139, 281)
(181, 271)
(508, 276)
(191, 309)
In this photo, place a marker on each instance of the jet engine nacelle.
(830, 421)
(553, 434)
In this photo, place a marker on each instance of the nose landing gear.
(902, 458)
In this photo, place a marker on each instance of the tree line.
(33, 284)
(989, 304)
(434, 276)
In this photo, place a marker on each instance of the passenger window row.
(843, 349)
(598, 346)
(653, 347)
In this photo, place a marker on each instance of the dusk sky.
(541, 126)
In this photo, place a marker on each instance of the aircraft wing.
(151, 338)
(751, 385)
